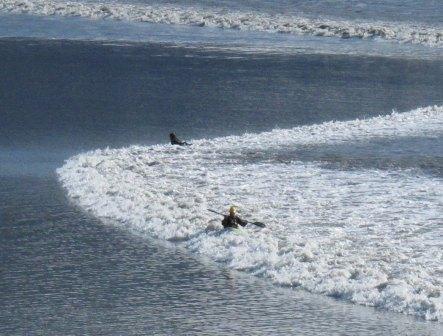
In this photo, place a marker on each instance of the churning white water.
(369, 236)
(232, 19)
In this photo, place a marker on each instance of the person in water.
(177, 141)
(233, 221)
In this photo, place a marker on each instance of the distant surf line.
(248, 21)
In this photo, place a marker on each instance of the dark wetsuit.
(233, 222)
(176, 141)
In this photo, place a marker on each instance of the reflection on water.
(65, 273)
(62, 272)
(87, 95)
(419, 153)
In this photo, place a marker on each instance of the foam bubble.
(368, 236)
(249, 21)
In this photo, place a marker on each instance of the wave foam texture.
(431, 36)
(371, 237)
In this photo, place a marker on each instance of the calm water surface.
(63, 272)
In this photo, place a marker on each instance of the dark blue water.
(64, 94)
(63, 272)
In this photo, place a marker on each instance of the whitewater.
(415, 33)
(365, 235)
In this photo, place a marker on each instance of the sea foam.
(367, 236)
(249, 21)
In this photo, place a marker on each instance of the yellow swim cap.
(232, 210)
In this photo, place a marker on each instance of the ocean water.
(322, 119)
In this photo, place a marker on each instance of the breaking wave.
(252, 21)
(367, 236)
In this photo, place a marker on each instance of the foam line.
(249, 21)
(368, 236)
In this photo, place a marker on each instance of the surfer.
(177, 141)
(233, 221)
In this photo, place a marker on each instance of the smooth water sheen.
(68, 274)
(289, 105)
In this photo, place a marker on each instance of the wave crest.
(366, 236)
(231, 20)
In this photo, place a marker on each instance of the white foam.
(368, 236)
(251, 21)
